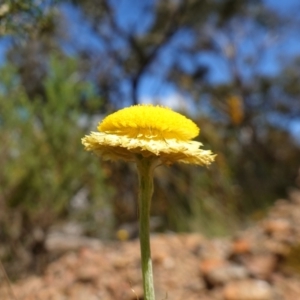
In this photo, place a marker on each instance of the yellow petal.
(150, 122)
(148, 131)
(114, 147)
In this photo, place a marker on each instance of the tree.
(129, 49)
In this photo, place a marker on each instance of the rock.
(210, 264)
(88, 273)
(215, 249)
(59, 242)
(241, 246)
(248, 290)
(279, 229)
(193, 242)
(277, 247)
(286, 288)
(281, 209)
(186, 266)
(261, 266)
(226, 273)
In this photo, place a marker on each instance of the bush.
(43, 164)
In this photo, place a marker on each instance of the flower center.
(150, 122)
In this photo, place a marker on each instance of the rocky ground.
(261, 263)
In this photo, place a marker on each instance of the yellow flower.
(150, 131)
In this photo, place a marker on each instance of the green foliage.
(257, 158)
(254, 167)
(22, 17)
(43, 164)
(198, 199)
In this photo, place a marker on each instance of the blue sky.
(286, 45)
(283, 48)
(129, 18)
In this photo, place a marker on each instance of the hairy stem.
(145, 172)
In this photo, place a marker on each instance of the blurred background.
(232, 66)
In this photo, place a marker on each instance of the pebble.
(248, 290)
(226, 273)
(241, 246)
(261, 265)
(248, 266)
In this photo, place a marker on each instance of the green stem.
(145, 171)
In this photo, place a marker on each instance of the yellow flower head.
(149, 131)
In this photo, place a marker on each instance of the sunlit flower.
(149, 135)
(151, 131)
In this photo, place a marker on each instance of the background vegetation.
(69, 63)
